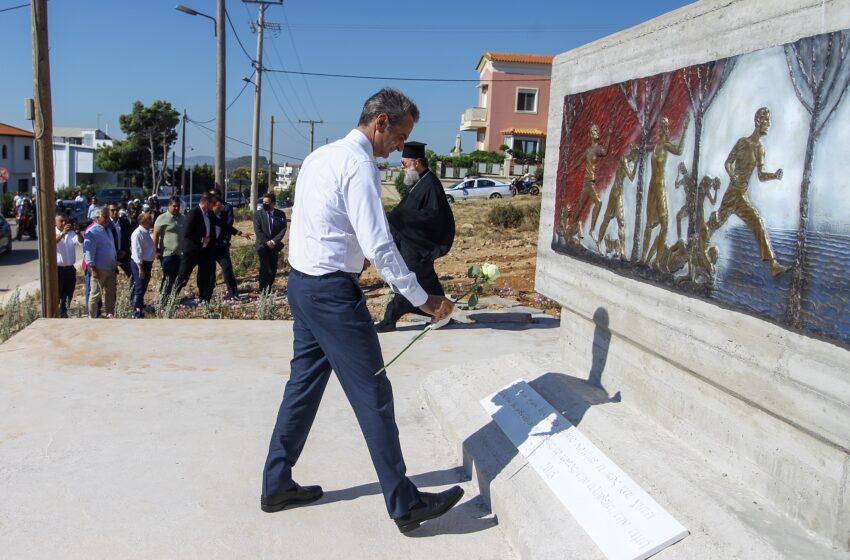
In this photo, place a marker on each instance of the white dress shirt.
(338, 218)
(141, 246)
(66, 254)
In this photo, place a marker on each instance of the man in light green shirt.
(167, 232)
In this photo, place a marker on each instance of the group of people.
(338, 225)
(114, 244)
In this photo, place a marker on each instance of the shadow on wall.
(571, 396)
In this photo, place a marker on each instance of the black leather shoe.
(384, 327)
(296, 496)
(431, 507)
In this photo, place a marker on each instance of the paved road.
(19, 269)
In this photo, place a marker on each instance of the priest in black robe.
(423, 228)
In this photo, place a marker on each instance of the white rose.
(490, 272)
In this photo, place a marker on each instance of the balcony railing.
(473, 119)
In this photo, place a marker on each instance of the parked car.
(189, 201)
(5, 236)
(77, 212)
(163, 202)
(116, 195)
(236, 199)
(477, 188)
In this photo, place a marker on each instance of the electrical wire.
(238, 40)
(300, 66)
(238, 141)
(27, 5)
(400, 79)
(241, 91)
(285, 115)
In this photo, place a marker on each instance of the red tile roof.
(522, 58)
(7, 130)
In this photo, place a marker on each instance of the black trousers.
(268, 266)
(124, 266)
(399, 306)
(203, 260)
(333, 331)
(221, 255)
(67, 283)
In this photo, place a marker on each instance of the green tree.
(150, 131)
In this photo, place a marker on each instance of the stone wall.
(765, 396)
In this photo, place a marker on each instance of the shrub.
(531, 219)
(242, 214)
(400, 186)
(7, 203)
(508, 216)
(244, 259)
(17, 315)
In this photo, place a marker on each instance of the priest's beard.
(411, 176)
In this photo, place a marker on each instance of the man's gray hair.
(390, 101)
(98, 211)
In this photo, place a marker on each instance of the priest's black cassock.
(423, 228)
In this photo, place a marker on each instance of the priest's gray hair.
(390, 101)
(98, 211)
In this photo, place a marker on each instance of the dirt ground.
(513, 250)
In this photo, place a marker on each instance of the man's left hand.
(270, 244)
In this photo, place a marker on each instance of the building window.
(525, 145)
(27, 154)
(3, 152)
(23, 185)
(526, 100)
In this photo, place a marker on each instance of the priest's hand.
(439, 307)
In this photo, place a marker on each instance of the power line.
(285, 115)
(232, 102)
(292, 87)
(27, 5)
(238, 141)
(457, 29)
(454, 80)
(300, 66)
(238, 40)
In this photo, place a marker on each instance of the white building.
(73, 157)
(17, 156)
(286, 175)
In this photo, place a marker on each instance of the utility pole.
(271, 154)
(183, 156)
(258, 66)
(312, 124)
(46, 200)
(221, 93)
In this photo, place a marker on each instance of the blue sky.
(105, 54)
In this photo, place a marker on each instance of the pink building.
(513, 102)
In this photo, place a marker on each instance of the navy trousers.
(334, 331)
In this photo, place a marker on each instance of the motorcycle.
(518, 186)
(26, 224)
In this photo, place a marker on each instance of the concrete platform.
(145, 439)
(726, 519)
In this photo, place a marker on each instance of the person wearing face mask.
(269, 227)
(423, 228)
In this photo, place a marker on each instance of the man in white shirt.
(68, 238)
(142, 254)
(338, 220)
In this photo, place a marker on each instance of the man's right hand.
(439, 307)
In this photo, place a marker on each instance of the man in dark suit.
(221, 252)
(121, 228)
(423, 228)
(198, 245)
(269, 227)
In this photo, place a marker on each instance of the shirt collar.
(362, 142)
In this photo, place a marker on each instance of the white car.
(478, 188)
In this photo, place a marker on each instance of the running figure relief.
(626, 168)
(574, 229)
(656, 202)
(746, 157)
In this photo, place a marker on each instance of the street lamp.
(191, 12)
(221, 75)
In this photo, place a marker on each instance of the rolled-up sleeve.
(362, 196)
